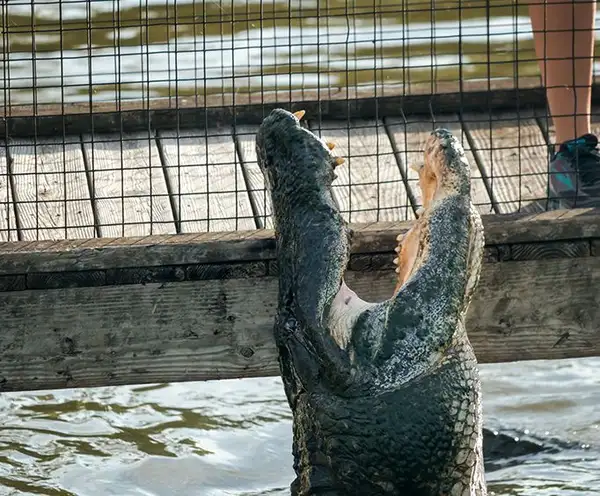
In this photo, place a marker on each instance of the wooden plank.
(369, 186)
(207, 180)
(129, 184)
(116, 276)
(238, 246)
(85, 337)
(553, 249)
(271, 97)
(8, 223)
(409, 137)
(246, 138)
(515, 156)
(51, 189)
(249, 108)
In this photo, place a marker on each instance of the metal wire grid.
(207, 179)
(132, 49)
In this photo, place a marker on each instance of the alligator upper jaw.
(285, 148)
(312, 237)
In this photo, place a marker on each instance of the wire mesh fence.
(470, 66)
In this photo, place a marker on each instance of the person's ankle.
(559, 142)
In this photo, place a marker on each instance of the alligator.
(385, 396)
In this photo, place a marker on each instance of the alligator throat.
(385, 396)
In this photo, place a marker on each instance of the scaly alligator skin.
(385, 396)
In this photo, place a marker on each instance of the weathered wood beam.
(344, 103)
(197, 307)
(26, 257)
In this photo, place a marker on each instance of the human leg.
(564, 45)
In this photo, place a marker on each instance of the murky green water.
(234, 437)
(131, 49)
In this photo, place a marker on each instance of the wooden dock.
(207, 180)
(139, 256)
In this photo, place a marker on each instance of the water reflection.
(62, 441)
(106, 50)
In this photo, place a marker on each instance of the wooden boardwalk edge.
(169, 114)
(538, 298)
(20, 258)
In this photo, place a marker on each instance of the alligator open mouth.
(385, 395)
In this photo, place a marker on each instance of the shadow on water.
(92, 50)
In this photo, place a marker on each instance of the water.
(134, 49)
(234, 437)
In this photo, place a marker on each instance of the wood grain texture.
(8, 224)
(256, 245)
(129, 185)
(51, 189)
(410, 136)
(514, 153)
(226, 271)
(145, 275)
(246, 138)
(207, 181)
(555, 249)
(249, 269)
(369, 186)
(67, 279)
(168, 331)
(84, 337)
(13, 283)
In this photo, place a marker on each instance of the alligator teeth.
(330, 145)
(339, 161)
(299, 114)
(396, 261)
(397, 249)
(400, 237)
(397, 270)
